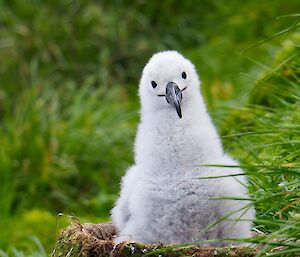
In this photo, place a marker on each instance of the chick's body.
(163, 198)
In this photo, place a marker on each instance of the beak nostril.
(181, 91)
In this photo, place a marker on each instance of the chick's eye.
(183, 75)
(153, 83)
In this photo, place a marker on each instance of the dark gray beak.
(174, 96)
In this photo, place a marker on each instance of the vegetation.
(267, 128)
(68, 105)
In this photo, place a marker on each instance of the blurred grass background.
(69, 72)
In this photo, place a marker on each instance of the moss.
(236, 252)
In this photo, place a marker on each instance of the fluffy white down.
(162, 198)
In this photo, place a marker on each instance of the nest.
(95, 240)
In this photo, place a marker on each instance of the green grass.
(267, 129)
(69, 106)
(63, 154)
